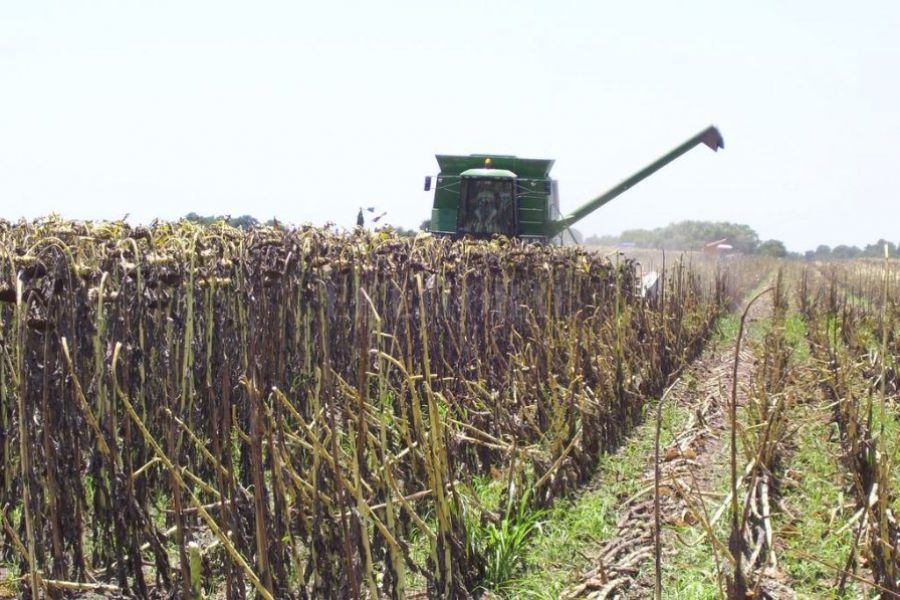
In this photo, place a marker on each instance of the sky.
(307, 111)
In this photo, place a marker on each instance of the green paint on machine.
(483, 195)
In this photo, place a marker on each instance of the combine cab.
(486, 195)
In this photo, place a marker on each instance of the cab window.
(487, 207)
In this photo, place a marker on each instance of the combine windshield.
(487, 207)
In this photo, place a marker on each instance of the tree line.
(824, 252)
(693, 235)
(243, 221)
(248, 222)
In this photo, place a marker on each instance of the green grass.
(503, 543)
(815, 499)
(795, 337)
(691, 573)
(726, 328)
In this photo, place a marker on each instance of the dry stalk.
(211, 523)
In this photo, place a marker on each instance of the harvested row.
(853, 342)
(600, 543)
(300, 412)
(749, 401)
(812, 519)
(689, 467)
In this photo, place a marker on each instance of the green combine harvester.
(483, 195)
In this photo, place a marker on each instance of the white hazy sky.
(306, 111)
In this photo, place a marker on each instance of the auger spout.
(709, 136)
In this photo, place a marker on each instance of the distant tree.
(602, 240)
(772, 248)
(823, 252)
(195, 218)
(844, 251)
(877, 249)
(809, 255)
(425, 225)
(640, 237)
(400, 231)
(690, 235)
(244, 221)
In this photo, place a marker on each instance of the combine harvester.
(483, 195)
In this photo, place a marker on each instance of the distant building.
(718, 247)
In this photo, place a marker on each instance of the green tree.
(399, 231)
(244, 221)
(772, 248)
(691, 235)
(844, 251)
(877, 249)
